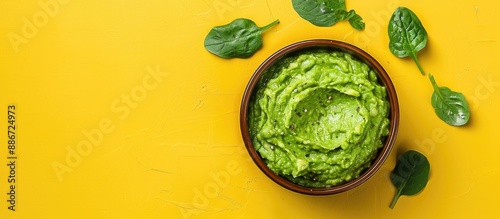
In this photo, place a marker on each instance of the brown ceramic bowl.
(337, 46)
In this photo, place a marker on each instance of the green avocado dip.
(318, 118)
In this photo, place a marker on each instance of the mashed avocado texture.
(319, 118)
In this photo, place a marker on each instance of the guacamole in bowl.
(318, 116)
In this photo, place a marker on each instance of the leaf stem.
(414, 56)
(400, 189)
(436, 87)
(264, 28)
(396, 197)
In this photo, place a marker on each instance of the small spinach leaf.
(407, 35)
(410, 175)
(325, 13)
(450, 106)
(355, 20)
(239, 39)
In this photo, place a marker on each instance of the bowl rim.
(359, 54)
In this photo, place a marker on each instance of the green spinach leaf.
(450, 106)
(407, 35)
(325, 13)
(355, 20)
(239, 39)
(410, 175)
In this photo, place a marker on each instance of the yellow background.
(121, 112)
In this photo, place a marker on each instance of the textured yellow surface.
(121, 112)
